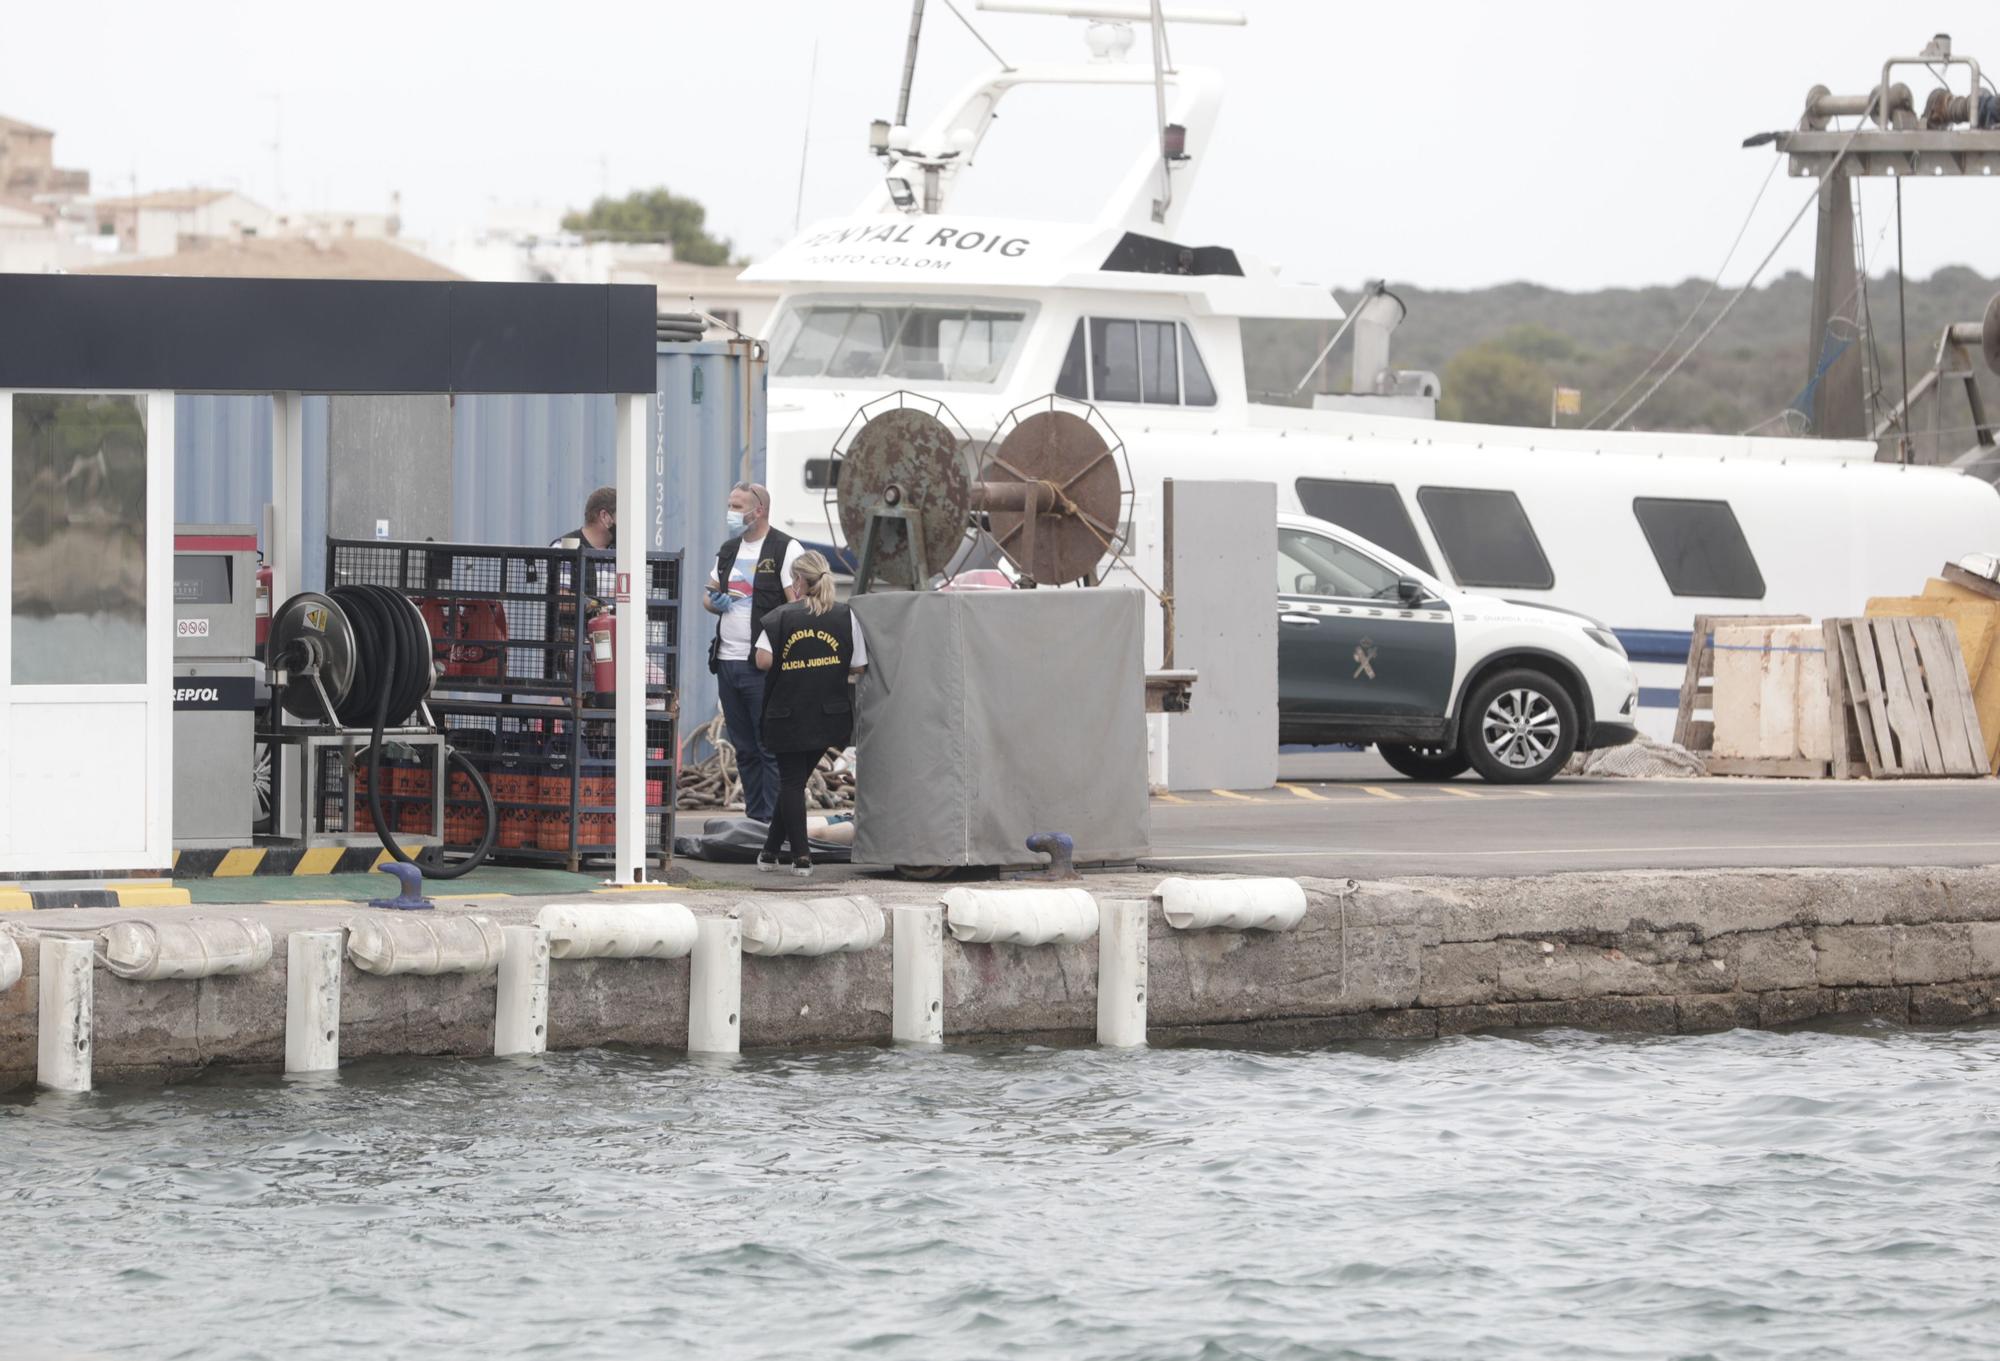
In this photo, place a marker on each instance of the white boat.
(1642, 531)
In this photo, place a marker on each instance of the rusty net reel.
(1051, 487)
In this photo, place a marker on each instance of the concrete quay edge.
(1658, 952)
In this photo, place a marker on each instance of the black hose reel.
(359, 657)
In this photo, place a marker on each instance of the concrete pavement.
(1350, 815)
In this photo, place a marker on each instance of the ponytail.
(814, 578)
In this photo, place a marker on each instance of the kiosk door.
(86, 653)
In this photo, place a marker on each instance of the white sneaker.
(766, 863)
(803, 869)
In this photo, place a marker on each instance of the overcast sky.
(1449, 144)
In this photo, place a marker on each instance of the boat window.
(1070, 382)
(1154, 362)
(1159, 368)
(967, 346)
(1114, 360)
(1700, 547)
(1196, 389)
(1374, 510)
(1486, 537)
(952, 344)
(1312, 564)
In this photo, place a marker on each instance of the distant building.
(523, 243)
(27, 165)
(157, 223)
(286, 257)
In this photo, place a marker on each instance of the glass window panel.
(1159, 374)
(1486, 537)
(79, 540)
(1069, 381)
(1200, 391)
(1114, 360)
(1374, 510)
(1312, 564)
(1700, 547)
(864, 344)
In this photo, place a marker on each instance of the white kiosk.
(89, 368)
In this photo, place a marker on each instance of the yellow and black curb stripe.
(151, 893)
(243, 861)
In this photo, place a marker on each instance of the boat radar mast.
(920, 168)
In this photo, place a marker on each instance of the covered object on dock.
(995, 715)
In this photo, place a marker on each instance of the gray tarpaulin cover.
(988, 716)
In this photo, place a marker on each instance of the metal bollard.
(62, 1054)
(312, 1000)
(918, 962)
(521, 1018)
(1121, 972)
(715, 986)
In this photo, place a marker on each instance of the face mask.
(737, 521)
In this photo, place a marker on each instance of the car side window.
(1312, 564)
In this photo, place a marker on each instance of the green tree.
(654, 215)
(1494, 385)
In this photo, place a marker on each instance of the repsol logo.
(215, 693)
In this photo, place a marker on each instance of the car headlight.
(1605, 638)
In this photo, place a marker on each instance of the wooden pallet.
(1903, 682)
(1697, 686)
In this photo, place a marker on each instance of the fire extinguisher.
(603, 631)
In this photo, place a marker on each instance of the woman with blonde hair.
(811, 652)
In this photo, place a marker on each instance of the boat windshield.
(941, 342)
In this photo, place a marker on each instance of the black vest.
(767, 586)
(808, 704)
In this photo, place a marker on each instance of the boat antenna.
(909, 63)
(805, 145)
(1161, 62)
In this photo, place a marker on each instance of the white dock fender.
(1231, 904)
(618, 930)
(430, 943)
(815, 926)
(1028, 916)
(200, 947)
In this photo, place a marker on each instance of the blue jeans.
(742, 687)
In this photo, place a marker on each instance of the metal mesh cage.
(516, 686)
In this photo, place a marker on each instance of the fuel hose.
(391, 677)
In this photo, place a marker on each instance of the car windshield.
(1313, 564)
(941, 342)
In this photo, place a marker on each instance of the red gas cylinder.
(263, 606)
(603, 630)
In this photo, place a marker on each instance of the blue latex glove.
(719, 601)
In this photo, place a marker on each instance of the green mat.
(279, 888)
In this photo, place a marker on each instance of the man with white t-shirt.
(748, 582)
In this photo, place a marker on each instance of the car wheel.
(1519, 728)
(1423, 761)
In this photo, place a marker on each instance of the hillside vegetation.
(1501, 350)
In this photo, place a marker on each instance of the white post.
(312, 1001)
(1121, 971)
(521, 1019)
(715, 987)
(918, 953)
(635, 522)
(62, 1058)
